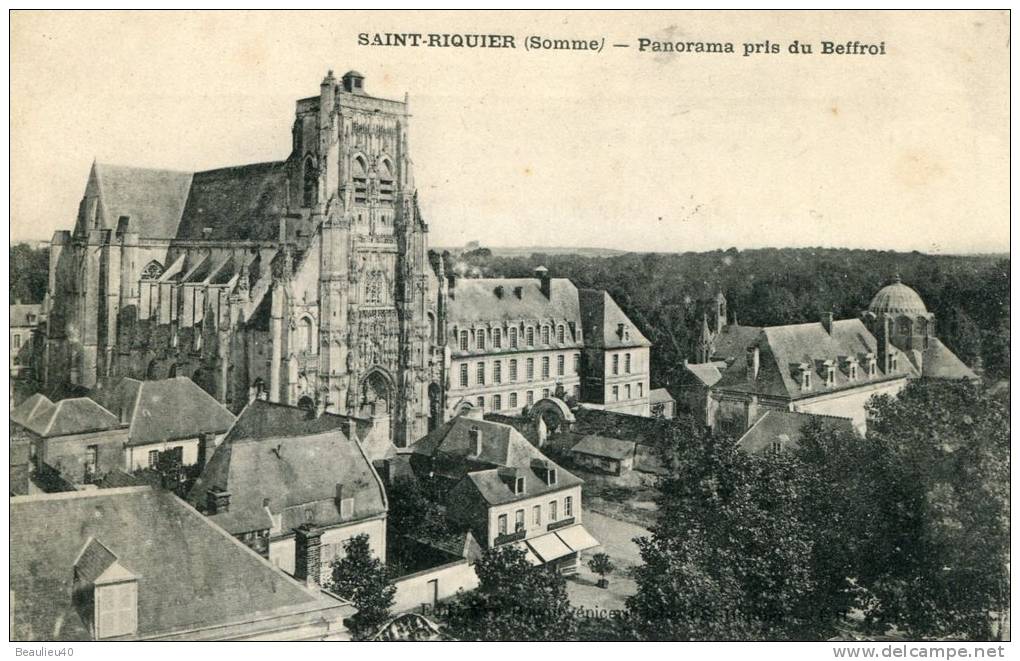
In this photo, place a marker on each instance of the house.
(76, 438)
(607, 455)
(165, 416)
(505, 491)
(285, 477)
(24, 343)
(661, 404)
(776, 431)
(140, 564)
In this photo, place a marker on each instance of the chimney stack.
(883, 344)
(206, 446)
(217, 501)
(544, 281)
(307, 554)
(827, 322)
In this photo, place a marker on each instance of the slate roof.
(503, 447)
(190, 573)
(21, 315)
(707, 373)
(165, 409)
(938, 362)
(731, 343)
(261, 419)
(602, 318)
(782, 348)
(153, 199)
(601, 446)
(299, 475)
(77, 415)
(237, 203)
(787, 427)
(659, 396)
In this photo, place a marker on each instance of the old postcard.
(510, 326)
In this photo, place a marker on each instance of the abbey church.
(308, 282)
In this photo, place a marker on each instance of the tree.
(944, 566)
(601, 564)
(361, 578)
(514, 601)
(414, 511)
(29, 273)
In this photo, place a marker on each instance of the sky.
(620, 149)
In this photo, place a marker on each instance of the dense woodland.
(664, 293)
(30, 268)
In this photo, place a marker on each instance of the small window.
(545, 393)
(519, 520)
(552, 510)
(552, 476)
(501, 524)
(529, 335)
(560, 334)
(513, 370)
(536, 515)
(153, 458)
(512, 332)
(616, 364)
(545, 367)
(531, 369)
(463, 375)
(560, 363)
(480, 372)
(805, 380)
(481, 402)
(893, 362)
(777, 447)
(513, 400)
(497, 338)
(497, 372)
(518, 489)
(346, 508)
(545, 336)
(497, 403)
(627, 391)
(640, 390)
(116, 609)
(568, 506)
(577, 363)
(626, 364)
(531, 397)
(616, 393)
(463, 340)
(480, 340)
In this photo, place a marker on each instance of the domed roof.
(897, 298)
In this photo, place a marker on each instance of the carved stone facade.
(304, 281)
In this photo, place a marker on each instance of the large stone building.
(300, 281)
(308, 282)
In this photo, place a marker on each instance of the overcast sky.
(618, 149)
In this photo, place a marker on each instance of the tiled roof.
(602, 319)
(786, 427)
(166, 409)
(190, 573)
(299, 475)
(783, 348)
(78, 415)
(152, 199)
(600, 446)
(25, 315)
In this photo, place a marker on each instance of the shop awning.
(529, 555)
(577, 538)
(549, 547)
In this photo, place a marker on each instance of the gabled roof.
(78, 415)
(165, 409)
(783, 348)
(706, 373)
(602, 318)
(298, 473)
(152, 199)
(786, 427)
(190, 573)
(477, 300)
(731, 343)
(601, 446)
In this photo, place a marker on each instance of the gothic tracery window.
(374, 287)
(310, 183)
(152, 271)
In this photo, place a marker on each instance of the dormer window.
(545, 336)
(512, 332)
(480, 340)
(804, 371)
(105, 592)
(463, 340)
(623, 331)
(519, 485)
(829, 370)
(872, 365)
(529, 336)
(560, 335)
(552, 476)
(497, 338)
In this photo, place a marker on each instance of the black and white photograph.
(558, 326)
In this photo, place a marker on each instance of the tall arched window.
(311, 181)
(903, 326)
(305, 337)
(360, 178)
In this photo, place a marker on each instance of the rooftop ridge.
(86, 493)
